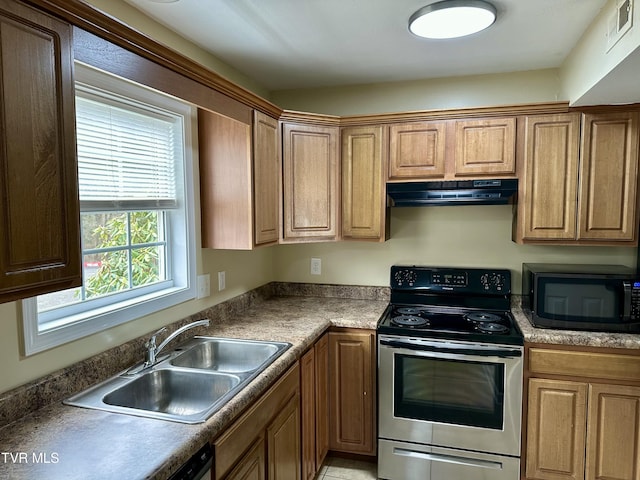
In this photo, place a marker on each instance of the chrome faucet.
(153, 350)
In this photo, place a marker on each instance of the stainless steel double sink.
(189, 385)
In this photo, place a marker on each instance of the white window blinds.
(126, 155)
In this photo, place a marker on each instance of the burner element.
(492, 328)
(483, 317)
(409, 321)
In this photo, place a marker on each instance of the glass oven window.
(449, 391)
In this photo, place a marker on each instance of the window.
(136, 214)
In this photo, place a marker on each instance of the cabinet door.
(283, 443)
(556, 430)
(417, 150)
(547, 192)
(314, 410)
(485, 147)
(609, 177)
(363, 184)
(308, 414)
(321, 351)
(310, 177)
(39, 207)
(613, 439)
(252, 465)
(266, 183)
(225, 182)
(352, 407)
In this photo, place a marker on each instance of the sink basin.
(173, 392)
(228, 355)
(188, 385)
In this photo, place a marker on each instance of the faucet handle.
(152, 339)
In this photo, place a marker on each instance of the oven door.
(450, 393)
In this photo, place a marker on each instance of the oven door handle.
(480, 352)
(439, 457)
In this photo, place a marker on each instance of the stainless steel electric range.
(450, 359)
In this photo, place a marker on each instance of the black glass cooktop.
(490, 326)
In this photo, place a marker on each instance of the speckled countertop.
(75, 443)
(570, 337)
(87, 444)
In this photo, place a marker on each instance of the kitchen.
(438, 236)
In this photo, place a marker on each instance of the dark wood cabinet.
(39, 206)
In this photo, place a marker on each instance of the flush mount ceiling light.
(452, 18)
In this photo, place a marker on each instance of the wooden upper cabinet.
(239, 181)
(39, 206)
(548, 177)
(363, 184)
(485, 147)
(310, 182)
(609, 177)
(225, 182)
(579, 187)
(417, 150)
(450, 149)
(266, 178)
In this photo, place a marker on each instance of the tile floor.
(346, 469)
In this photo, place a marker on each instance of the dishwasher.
(198, 467)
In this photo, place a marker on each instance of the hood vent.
(463, 192)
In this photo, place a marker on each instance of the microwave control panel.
(635, 300)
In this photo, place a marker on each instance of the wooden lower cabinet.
(314, 392)
(266, 438)
(587, 428)
(613, 433)
(252, 465)
(556, 429)
(283, 443)
(352, 365)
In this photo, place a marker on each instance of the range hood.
(460, 192)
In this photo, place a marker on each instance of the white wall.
(584, 73)
(140, 22)
(441, 93)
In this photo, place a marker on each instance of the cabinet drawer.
(585, 364)
(233, 443)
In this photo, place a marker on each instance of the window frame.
(181, 233)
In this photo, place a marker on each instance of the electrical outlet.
(204, 285)
(316, 266)
(222, 281)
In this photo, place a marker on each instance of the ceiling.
(294, 44)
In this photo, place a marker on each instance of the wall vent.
(619, 22)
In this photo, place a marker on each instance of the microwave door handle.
(497, 352)
(626, 308)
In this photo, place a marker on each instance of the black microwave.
(602, 298)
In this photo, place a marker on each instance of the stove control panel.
(449, 278)
(461, 280)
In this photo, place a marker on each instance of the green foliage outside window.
(115, 272)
